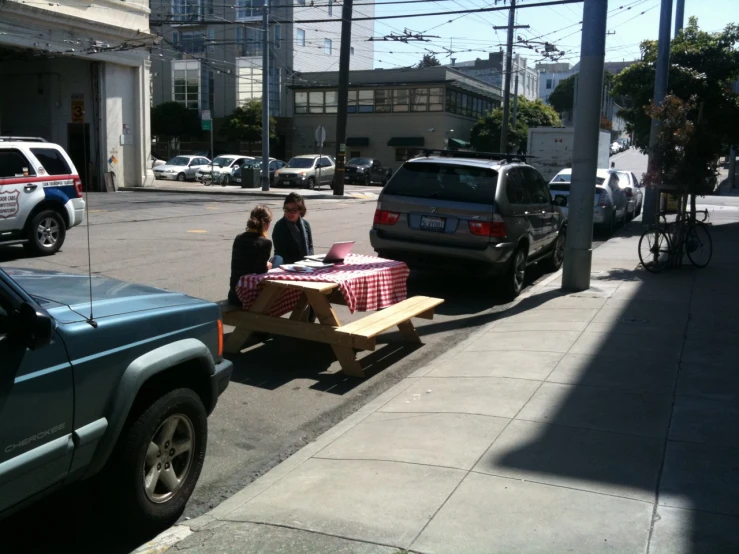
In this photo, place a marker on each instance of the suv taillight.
(220, 338)
(78, 186)
(383, 217)
(495, 228)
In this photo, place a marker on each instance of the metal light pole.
(651, 195)
(265, 97)
(679, 15)
(343, 99)
(515, 102)
(579, 247)
(507, 79)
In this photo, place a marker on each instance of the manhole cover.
(633, 320)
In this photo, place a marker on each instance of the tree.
(245, 124)
(699, 120)
(485, 135)
(563, 95)
(174, 120)
(428, 60)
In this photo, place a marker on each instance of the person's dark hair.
(295, 198)
(259, 218)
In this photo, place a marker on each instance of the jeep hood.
(56, 291)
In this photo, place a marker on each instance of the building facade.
(550, 74)
(210, 55)
(492, 70)
(393, 114)
(77, 74)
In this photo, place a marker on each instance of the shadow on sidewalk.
(645, 405)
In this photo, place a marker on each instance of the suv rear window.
(52, 160)
(458, 183)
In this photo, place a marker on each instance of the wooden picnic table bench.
(344, 339)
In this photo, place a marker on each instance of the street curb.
(181, 531)
(246, 192)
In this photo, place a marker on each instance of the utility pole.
(651, 195)
(579, 247)
(515, 101)
(507, 77)
(679, 15)
(265, 97)
(344, 58)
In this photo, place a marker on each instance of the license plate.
(429, 223)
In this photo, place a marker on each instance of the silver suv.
(306, 171)
(471, 213)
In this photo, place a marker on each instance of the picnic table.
(362, 283)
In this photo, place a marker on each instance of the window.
(249, 80)
(457, 183)
(301, 37)
(14, 164)
(277, 35)
(186, 83)
(188, 10)
(332, 101)
(52, 160)
(351, 101)
(190, 42)
(301, 102)
(327, 46)
(549, 84)
(537, 188)
(249, 41)
(514, 187)
(351, 50)
(330, 7)
(366, 101)
(419, 99)
(383, 101)
(436, 99)
(400, 100)
(249, 9)
(315, 102)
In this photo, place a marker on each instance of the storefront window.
(351, 104)
(186, 81)
(400, 100)
(332, 101)
(436, 99)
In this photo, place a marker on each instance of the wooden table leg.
(299, 311)
(262, 305)
(408, 332)
(327, 316)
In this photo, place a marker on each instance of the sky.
(472, 36)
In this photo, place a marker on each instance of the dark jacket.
(250, 254)
(286, 246)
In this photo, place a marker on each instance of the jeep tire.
(158, 459)
(45, 233)
(514, 278)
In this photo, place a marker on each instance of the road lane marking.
(197, 231)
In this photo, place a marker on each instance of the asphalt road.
(284, 393)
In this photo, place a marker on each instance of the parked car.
(156, 162)
(615, 148)
(487, 217)
(306, 171)
(633, 190)
(365, 171)
(224, 167)
(609, 204)
(256, 163)
(40, 194)
(180, 168)
(125, 395)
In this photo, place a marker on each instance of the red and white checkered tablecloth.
(367, 283)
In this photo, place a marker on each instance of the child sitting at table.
(251, 250)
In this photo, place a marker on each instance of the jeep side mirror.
(34, 328)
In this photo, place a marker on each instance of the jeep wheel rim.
(48, 232)
(519, 270)
(559, 250)
(168, 458)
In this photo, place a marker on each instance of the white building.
(210, 57)
(492, 71)
(550, 74)
(77, 74)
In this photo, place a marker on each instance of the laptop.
(335, 255)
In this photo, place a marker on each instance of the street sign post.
(320, 135)
(207, 125)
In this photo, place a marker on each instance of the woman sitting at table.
(251, 250)
(292, 234)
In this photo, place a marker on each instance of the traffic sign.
(206, 124)
(320, 135)
(205, 115)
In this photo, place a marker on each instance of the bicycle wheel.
(654, 250)
(699, 245)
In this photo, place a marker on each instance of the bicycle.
(657, 250)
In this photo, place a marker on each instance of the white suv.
(40, 194)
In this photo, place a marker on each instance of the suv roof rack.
(477, 155)
(22, 139)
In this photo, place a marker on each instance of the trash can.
(250, 177)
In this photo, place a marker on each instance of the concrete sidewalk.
(324, 193)
(604, 421)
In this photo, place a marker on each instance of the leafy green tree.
(485, 135)
(563, 95)
(172, 119)
(702, 67)
(245, 124)
(428, 60)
